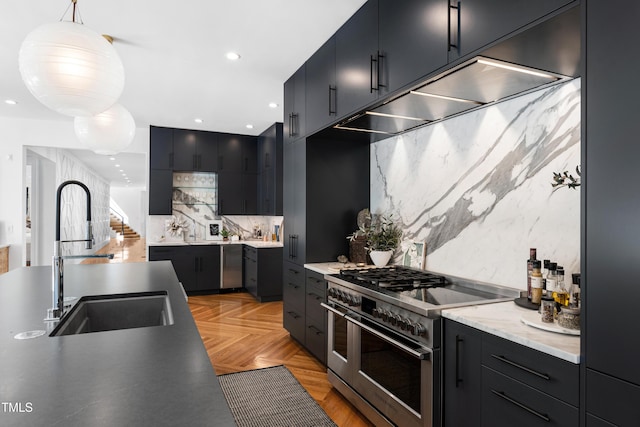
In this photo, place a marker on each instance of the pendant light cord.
(75, 12)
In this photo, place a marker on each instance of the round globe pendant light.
(107, 133)
(71, 69)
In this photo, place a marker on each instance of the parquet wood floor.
(241, 334)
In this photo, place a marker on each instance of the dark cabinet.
(474, 24)
(412, 40)
(294, 201)
(270, 171)
(462, 376)
(262, 270)
(160, 191)
(490, 381)
(160, 148)
(195, 150)
(293, 300)
(610, 217)
(237, 153)
(237, 193)
(358, 62)
(197, 267)
(294, 106)
(315, 316)
(321, 88)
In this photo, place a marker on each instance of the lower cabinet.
(197, 267)
(611, 401)
(303, 316)
(490, 381)
(262, 272)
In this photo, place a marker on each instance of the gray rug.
(271, 397)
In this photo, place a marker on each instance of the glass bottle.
(536, 282)
(547, 309)
(561, 294)
(574, 294)
(532, 257)
(552, 279)
(545, 274)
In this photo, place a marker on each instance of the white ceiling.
(174, 58)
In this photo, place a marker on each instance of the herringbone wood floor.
(241, 334)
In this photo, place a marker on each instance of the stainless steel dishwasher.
(231, 271)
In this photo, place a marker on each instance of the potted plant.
(224, 233)
(383, 238)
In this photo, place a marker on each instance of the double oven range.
(384, 338)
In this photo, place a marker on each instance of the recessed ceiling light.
(112, 158)
(117, 166)
(198, 120)
(249, 126)
(232, 56)
(273, 105)
(10, 101)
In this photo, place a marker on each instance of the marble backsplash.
(477, 188)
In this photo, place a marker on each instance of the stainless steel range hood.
(495, 75)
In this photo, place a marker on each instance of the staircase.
(118, 227)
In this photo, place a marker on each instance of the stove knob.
(377, 312)
(356, 301)
(404, 324)
(385, 315)
(396, 319)
(418, 329)
(332, 292)
(349, 300)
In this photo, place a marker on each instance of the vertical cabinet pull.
(371, 86)
(376, 82)
(220, 162)
(332, 101)
(456, 40)
(458, 341)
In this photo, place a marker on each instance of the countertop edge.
(533, 340)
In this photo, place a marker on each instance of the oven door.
(339, 353)
(395, 374)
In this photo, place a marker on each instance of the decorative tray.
(532, 318)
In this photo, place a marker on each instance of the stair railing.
(121, 220)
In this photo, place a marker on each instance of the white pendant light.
(71, 69)
(107, 133)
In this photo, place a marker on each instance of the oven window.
(395, 370)
(340, 336)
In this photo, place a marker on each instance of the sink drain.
(29, 334)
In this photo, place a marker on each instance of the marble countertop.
(252, 243)
(503, 320)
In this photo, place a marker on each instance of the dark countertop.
(147, 376)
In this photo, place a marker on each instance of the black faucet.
(57, 310)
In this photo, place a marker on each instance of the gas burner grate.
(397, 278)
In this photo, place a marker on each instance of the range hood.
(496, 74)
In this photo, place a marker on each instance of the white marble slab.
(503, 320)
(252, 243)
(477, 187)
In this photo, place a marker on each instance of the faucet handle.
(89, 239)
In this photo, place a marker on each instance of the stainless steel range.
(384, 338)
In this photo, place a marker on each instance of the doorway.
(40, 179)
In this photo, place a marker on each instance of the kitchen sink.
(101, 313)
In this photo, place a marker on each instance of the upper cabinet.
(321, 88)
(195, 150)
(160, 148)
(476, 23)
(294, 106)
(358, 62)
(412, 40)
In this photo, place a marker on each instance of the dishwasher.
(231, 262)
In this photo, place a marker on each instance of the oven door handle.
(333, 310)
(422, 355)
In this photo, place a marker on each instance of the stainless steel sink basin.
(114, 312)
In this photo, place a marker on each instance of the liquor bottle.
(561, 293)
(536, 282)
(532, 257)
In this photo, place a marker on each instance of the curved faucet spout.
(59, 196)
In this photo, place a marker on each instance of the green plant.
(383, 234)
(224, 233)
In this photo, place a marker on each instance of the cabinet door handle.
(458, 341)
(371, 87)
(291, 270)
(456, 45)
(332, 101)
(293, 314)
(502, 395)
(220, 162)
(316, 296)
(315, 330)
(524, 368)
(379, 71)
